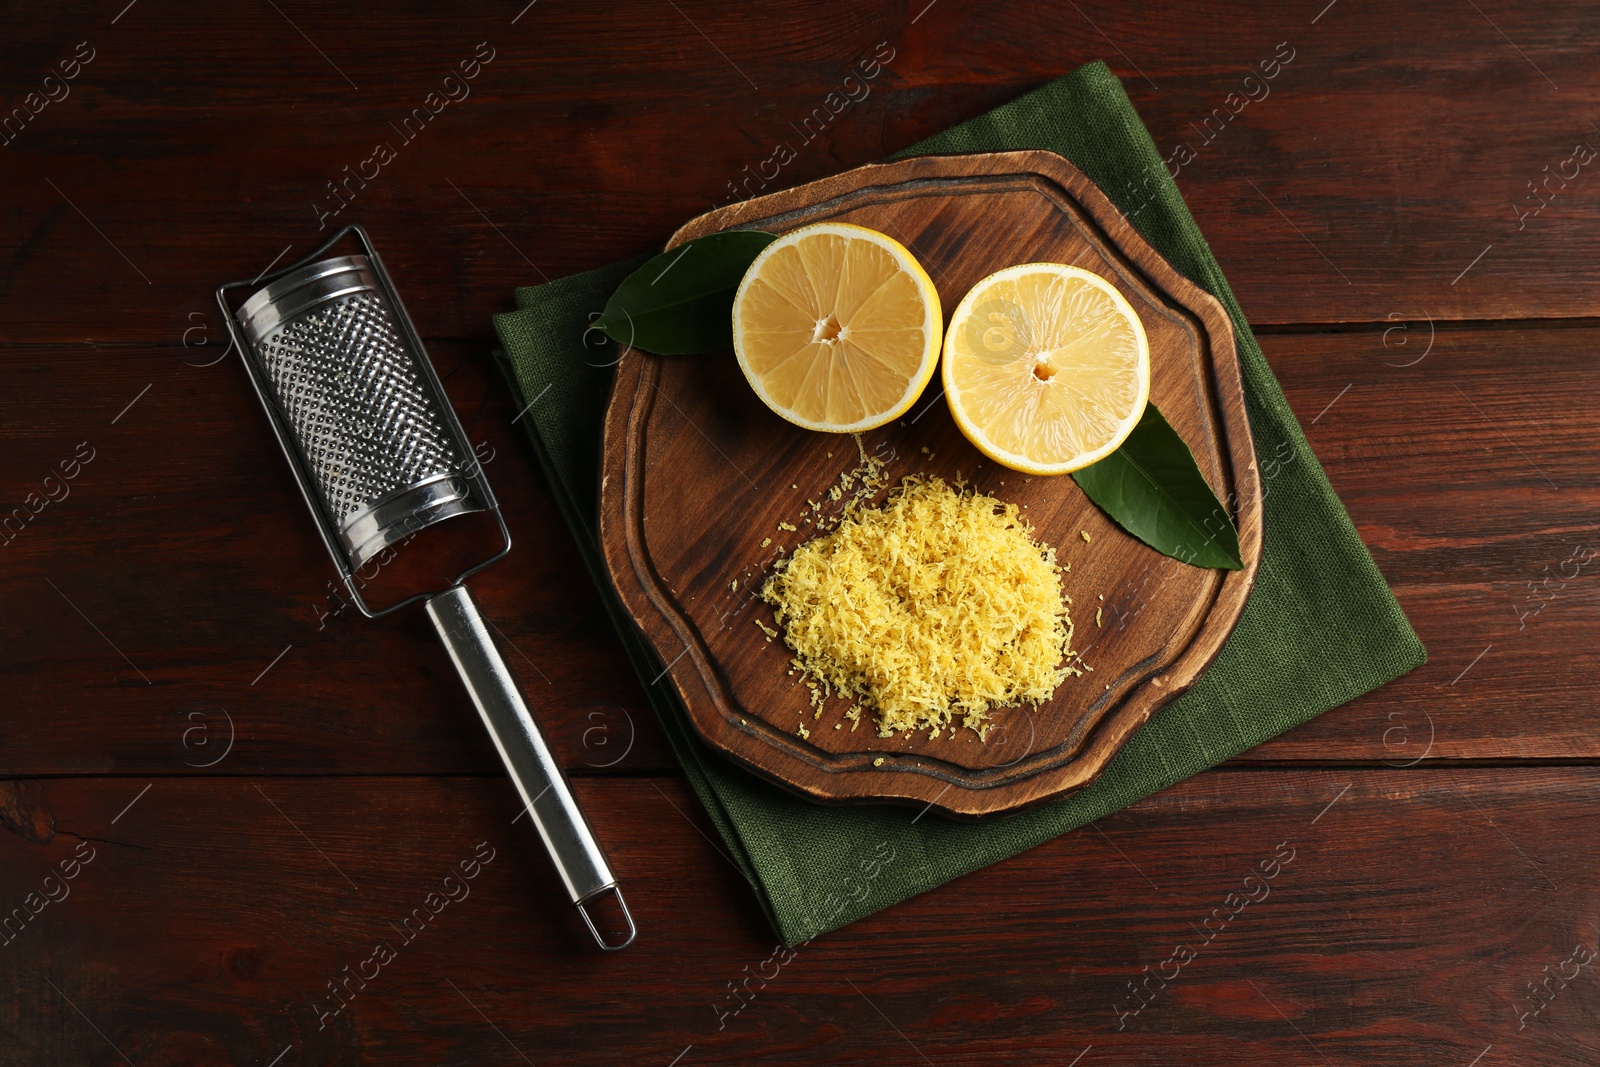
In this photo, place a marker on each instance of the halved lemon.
(1046, 367)
(837, 327)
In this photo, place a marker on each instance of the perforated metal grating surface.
(364, 416)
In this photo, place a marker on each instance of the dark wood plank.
(1460, 525)
(1389, 150)
(1380, 181)
(1405, 918)
(1469, 474)
(178, 586)
(695, 470)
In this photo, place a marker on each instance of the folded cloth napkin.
(1321, 626)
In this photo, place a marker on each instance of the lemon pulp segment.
(1046, 367)
(837, 327)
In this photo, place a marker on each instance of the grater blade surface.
(368, 423)
(357, 405)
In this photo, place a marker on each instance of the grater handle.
(546, 794)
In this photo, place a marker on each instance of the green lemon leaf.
(681, 302)
(1153, 489)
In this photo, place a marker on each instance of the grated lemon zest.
(935, 607)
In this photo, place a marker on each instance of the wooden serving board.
(697, 475)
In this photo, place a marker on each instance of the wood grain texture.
(693, 492)
(178, 586)
(1466, 459)
(1457, 518)
(1412, 912)
(1390, 151)
(1383, 179)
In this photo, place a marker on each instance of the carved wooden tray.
(697, 474)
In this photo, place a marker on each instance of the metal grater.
(379, 455)
(359, 406)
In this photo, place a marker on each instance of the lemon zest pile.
(937, 604)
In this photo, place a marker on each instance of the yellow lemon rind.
(979, 439)
(933, 323)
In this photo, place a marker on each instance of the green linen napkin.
(1320, 628)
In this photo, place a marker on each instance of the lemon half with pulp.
(837, 327)
(1046, 367)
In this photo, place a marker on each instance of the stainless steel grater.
(379, 455)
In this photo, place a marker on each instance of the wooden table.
(248, 787)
